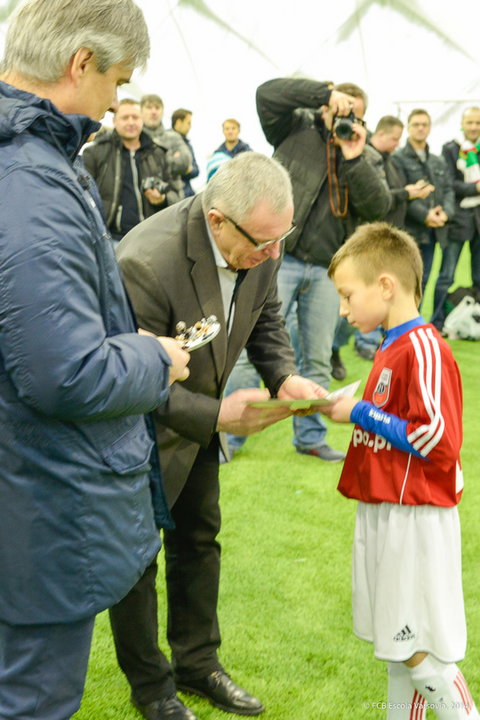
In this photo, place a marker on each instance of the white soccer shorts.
(407, 581)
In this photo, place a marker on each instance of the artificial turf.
(285, 591)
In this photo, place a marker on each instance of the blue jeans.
(43, 669)
(243, 375)
(427, 251)
(446, 276)
(309, 298)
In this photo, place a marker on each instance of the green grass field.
(285, 593)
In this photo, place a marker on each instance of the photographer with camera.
(318, 134)
(130, 170)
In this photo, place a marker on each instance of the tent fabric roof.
(210, 56)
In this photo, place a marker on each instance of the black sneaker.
(366, 352)
(339, 371)
(324, 452)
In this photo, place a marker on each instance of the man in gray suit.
(216, 253)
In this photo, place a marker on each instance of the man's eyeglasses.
(259, 245)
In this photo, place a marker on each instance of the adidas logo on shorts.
(404, 634)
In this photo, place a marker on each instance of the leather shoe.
(223, 693)
(170, 708)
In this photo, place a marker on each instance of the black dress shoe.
(223, 693)
(170, 708)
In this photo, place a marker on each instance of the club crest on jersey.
(382, 391)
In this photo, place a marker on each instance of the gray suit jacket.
(170, 273)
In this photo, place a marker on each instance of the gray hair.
(239, 185)
(44, 34)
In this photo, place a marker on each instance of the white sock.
(445, 689)
(404, 701)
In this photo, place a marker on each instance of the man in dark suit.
(216, 253)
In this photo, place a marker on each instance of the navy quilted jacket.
(77, 523)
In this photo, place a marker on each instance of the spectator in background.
(130, 170)
(426, 218)
(227, 150)
(462, 158)
(80, 486)
(152, 113)
(179, 159)
(215, 161)
(181, 124)
(334, 186)
(232, 145)
(385, 140)
(379, 149)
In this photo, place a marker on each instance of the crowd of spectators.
(335, 190)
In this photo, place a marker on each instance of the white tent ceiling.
(210, 55)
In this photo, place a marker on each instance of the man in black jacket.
(385, 140)
(378, 150)
(426, 218)
(179, 159)
(130, 170)
(465, 226)
(334, 187)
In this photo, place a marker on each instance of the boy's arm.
(389, 426)
(370, 418)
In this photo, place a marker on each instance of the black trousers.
(192, 561)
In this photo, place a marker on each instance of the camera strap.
(339, 209)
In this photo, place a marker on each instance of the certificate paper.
(307, 403)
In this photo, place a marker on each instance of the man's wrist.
(276, 387)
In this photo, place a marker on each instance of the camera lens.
(343, 128)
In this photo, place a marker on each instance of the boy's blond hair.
(379, 247)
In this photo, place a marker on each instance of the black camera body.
(155, 183)
(343, 126)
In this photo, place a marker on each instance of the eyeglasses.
(258, 245)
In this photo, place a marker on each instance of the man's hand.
(341, 409)
(154, 197)
(420, 190)
(296, 387)
(237, 418)
(436, 217)
(354, 147)
(178, 357)
(340, 103)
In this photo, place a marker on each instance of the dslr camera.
(342, 126)
(155, 183)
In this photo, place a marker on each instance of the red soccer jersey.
(415, 379)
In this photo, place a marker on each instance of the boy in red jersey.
(403, 467)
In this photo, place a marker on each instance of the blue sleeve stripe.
(391, 427)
